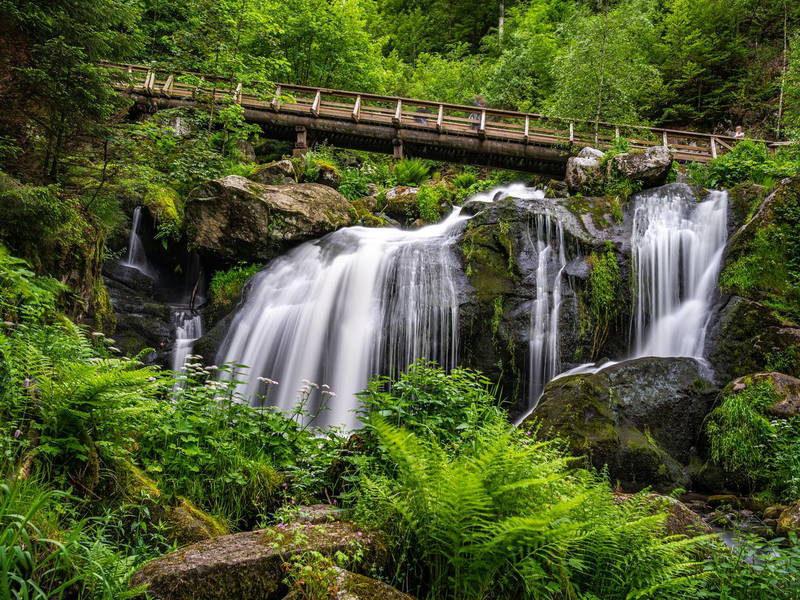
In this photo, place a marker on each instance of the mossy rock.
(186, 524)
(164, 204)
(249, 565)
(351, 586)
(747, 337)
(641, 419)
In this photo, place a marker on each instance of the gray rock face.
(650, 166)
(745, 336)
(501, 258)
(248, 566)
(641, 418)
(233, 219)
(583, 169)
(276, 173)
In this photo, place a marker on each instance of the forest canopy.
(711, 65)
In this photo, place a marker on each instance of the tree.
(62, 90)
(605, 73)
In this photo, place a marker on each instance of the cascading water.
(545, 340)
(677, 248)
(188, 325)
(338, 310)
(136, 257)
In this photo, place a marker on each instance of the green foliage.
(430, 199)
(764, 263)
(749, 161)
(603, 292)
(504, 517)
(411, 171)
(39, 561)
(427, 400)
(754, 569)
(225, 289)
(605, 74)
(224, 454)
(746, 440)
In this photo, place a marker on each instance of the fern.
(505, 517)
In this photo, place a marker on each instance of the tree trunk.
(501, 21)
(784, 67)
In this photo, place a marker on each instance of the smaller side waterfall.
(136, 257)
(188, 328)
(544, 359)
(677, 247)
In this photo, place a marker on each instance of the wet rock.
(232, 219)
(319, 513)
(789, 520)
(328, 175)
(401, 203)
(583, 170)
(280, 172)
(716, 500)
(745, 336)
(650, 166)
(185, 523)
(681, 520)
(248, 566)
(641, 418)
(351, 586)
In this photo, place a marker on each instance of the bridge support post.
(397, 144)
(301, 144)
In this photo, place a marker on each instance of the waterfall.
(355, 303)
(136, 257)
(544, 342)
(677, 247)
(188, 325)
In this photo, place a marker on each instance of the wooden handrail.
(415, 113)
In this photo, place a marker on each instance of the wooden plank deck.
(453, 132)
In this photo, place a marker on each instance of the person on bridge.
(739, 132)
(480, 102)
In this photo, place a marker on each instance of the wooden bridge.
(435, 130)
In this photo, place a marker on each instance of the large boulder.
(249, 565)
(233, 219)
(746, 337)
(280, 172)
(583, 170)
(785, 386)
(641, 418)
(650, 166)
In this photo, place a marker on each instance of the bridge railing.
(408, 113)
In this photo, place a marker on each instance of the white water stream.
(136, 257)
(335, 311)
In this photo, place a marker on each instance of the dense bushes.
(750, 443)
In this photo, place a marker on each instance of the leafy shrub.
(429, 199)
(354, 183)
(754, 569)
(411, 171)
(223, 454)
(226, 287)
(429, 401)
(748, 161)
(465, 180)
